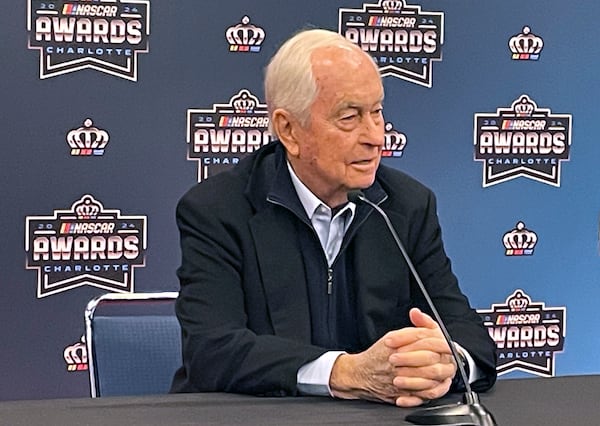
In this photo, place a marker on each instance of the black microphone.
(470, 412)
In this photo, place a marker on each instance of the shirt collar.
(310, 201)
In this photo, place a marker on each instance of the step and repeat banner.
(112, 109)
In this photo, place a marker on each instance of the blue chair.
(133, 343)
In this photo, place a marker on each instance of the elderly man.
(287, 287)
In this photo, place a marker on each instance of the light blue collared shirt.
(313, 377)
(330, 230)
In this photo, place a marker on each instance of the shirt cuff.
(475, 372)
(313, 378)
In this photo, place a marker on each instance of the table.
(573, 400)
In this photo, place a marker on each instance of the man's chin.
(362, 184)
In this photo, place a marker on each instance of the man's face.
(340, 148)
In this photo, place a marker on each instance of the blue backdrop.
(88, 206)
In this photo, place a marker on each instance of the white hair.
(289, 80)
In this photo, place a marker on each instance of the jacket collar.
(281, 266)
(270, 181)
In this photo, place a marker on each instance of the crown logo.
(519, 241)
(518, 302)
(87, 140)
(392, 6)
(394, 142)
(244, 102)
(526, 46)
(76, 356)
(524, 107)
(245, 37)
(87, 207)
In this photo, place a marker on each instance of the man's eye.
(349, 117)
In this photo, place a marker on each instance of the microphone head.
(355, 196)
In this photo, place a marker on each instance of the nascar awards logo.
(528, 335)
(403, 40)
(87, 140)
(106, 35)
(85, 245)
(220, 136)
(523, 140)
(526, 46)
(394, 142)
(245, 37)
(519, 241)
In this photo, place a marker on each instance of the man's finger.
(419, 359)
(409, 401)
(421, 319)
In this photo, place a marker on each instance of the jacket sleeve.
(221, 352)
(464, 325)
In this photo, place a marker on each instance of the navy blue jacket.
(243, 303)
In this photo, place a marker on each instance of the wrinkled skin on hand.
(405, 367)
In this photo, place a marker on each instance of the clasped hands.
(406, 367)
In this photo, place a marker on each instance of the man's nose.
(373, 131)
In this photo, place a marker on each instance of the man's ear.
(286, 128)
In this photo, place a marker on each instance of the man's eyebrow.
(354, 105)
(348, 105)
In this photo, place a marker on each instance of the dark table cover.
(560, 401)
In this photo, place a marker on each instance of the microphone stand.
(470, 412)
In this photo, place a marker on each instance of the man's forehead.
(339, 95)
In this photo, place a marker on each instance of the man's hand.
(422, 360)
(366, 375)
(405, 367)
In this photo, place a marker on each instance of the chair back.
(133, 343)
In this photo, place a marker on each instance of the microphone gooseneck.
(471, 412)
